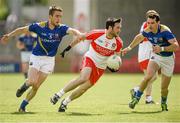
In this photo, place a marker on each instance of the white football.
(114, 62)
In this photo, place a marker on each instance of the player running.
(164, 45)
(25, 44)
(104, 43)
(144, 53)
(42, 60)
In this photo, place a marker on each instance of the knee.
(148, 78)
(31, 81)
(35, 87)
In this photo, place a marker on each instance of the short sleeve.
(33, 27)
(145, 34)
(63, 30)
(168, 35)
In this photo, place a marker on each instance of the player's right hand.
(4, 39)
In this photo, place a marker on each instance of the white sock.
(136, 88)
(66, 101)
(61, 93)
(148, 98)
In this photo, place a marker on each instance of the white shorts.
(25, 56)
(44, 64)
(144, 51)
(166, 64)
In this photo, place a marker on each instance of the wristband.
(162, 48)
(129, 48)
(68, 48)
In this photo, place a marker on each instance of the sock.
(138, 94)
(25, 86)
(26, 75)
(61, 93)
(66, 101)
(163, 100)
(136, 88)
(24, 104)
(148, 98)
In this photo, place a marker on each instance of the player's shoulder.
(62, 25)
(164, 28)
(96, 32)
(41, 23)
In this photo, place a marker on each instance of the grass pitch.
(107, 101)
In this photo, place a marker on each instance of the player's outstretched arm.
(74, 32)
(138, 38)
(80, 38)
(15, 32)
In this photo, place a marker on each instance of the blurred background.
(84, 15)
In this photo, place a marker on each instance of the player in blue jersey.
(25, 45)
(164, 44)
(42, 60)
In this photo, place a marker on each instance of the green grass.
(107, 101)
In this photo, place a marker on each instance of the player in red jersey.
(104, 43)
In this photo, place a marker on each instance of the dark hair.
(54, 8)
(154, 15)
(111, 22)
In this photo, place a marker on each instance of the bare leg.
(84, 76)
(41, 78)
(151, 71)
(36, 78)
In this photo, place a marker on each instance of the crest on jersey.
(113, 45)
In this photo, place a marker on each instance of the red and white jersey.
(101, 47)
(145, 47)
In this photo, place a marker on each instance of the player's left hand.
(112, 70)
(156, 49)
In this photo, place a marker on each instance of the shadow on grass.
(146, 112)
(82, 114)
(22, 113)
(139, 112)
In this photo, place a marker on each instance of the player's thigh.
(86, 73)
(33, 75)
(152, 68)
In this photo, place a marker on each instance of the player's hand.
(125, 50)
(65, 50)
(112, 70)
(156, 49)
(4, 39)
(63, 54)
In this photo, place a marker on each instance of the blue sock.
(138, 94)
(163, 100)
(24, 104)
